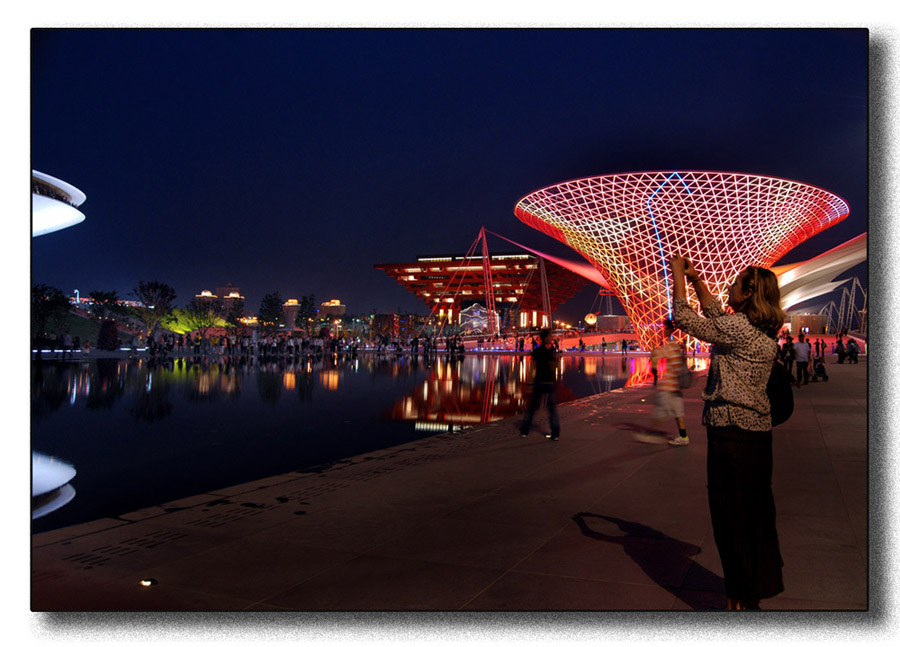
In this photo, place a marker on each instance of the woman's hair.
(763, 307)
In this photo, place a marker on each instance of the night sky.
(295, 160)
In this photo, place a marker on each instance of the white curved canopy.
(49, 214)
(814, 277)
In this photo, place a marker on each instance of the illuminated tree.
(156, 299)
(202, 314)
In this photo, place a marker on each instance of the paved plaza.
(487, 520)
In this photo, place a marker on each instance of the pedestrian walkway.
(487, 520)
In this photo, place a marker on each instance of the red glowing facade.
(449, 283)
(628, 225)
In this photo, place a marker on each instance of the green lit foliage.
(157, 299)
(202, 314)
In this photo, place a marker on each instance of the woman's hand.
(684, 268)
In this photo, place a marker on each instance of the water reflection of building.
(459, 394)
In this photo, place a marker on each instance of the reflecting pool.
(141, 432)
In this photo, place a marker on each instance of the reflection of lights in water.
(48, 473)
(425, 389)
(203, 383)
(289, 381)
(50, 488)
(439, 427)
(329, 379)
(44, 505)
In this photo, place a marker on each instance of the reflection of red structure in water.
(629, 225)
(448, 397)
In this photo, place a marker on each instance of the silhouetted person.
(544, 385)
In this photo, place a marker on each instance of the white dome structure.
(54, 204)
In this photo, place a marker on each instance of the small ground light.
(149, 581)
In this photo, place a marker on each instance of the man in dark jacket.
(544, 384)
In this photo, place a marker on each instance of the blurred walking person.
(669, 398)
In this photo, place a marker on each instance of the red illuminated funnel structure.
(628, 225)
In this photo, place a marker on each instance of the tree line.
(49, 306)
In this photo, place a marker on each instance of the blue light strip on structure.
(662, 254)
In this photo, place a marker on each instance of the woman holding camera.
(737, 417)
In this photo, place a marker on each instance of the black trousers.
(541, 389)
(742, 508)
(803, 372)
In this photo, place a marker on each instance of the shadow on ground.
(664, 559)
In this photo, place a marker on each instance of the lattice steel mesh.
(628, 225)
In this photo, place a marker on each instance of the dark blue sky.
(295, 160)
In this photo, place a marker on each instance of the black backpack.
(781, 395)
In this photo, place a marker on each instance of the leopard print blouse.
(740, 364)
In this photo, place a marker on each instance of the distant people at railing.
(45, 190)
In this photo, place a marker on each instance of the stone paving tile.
(223, 517)
(609, 555)
(830, 576)
(250, 568)
(467, 542)
(65, 534)
(126, 594)
(241, 488)
(807, 532)
(537, 592)
(105, 556)
(386, 583)
(353, 528)
(784, 603)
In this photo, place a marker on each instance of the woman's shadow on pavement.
(666, 560)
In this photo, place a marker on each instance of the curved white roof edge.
(49, 215)
(807, 292)
(76, 194)
(814, 277)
